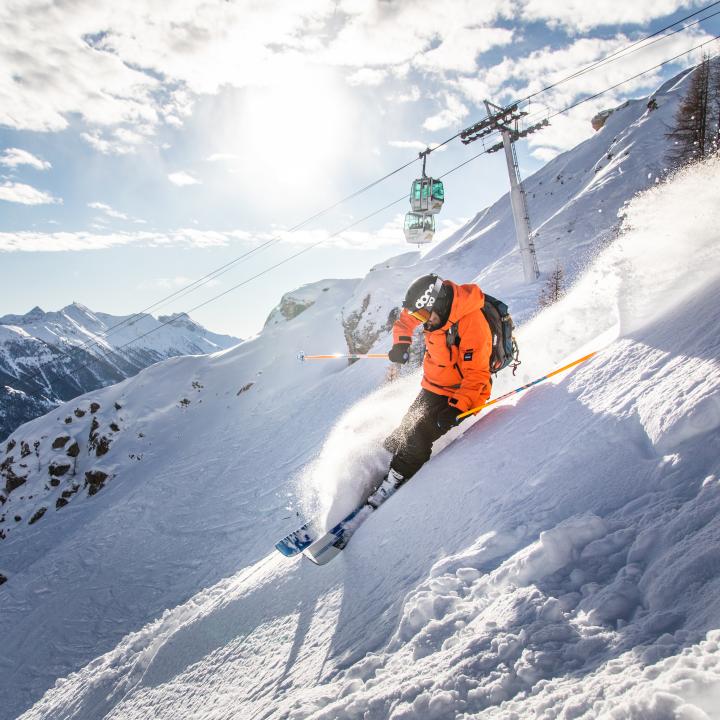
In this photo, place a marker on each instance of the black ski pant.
(411, 442)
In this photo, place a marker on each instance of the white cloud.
(182, 179)
(145, 66)
(411, 95)
(416, 145)
(452, 115)
(367, 76)
(580, 15)
(389, 235)
(108, 210)
(530, 74)
(513, 79)
(14, 157)
(26, 194)
(223, 157)
(385, 34)
(112, 213)
(460, 48)
(27, 241)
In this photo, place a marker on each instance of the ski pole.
(337, 356)
(473, 411)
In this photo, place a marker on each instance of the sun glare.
(287, 135)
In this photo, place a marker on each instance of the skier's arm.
(473, 362)
(403, 327)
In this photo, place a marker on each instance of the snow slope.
(577, 578)
(555, 558)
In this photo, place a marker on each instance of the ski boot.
(390, 483)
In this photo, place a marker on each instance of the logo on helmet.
(426, 300)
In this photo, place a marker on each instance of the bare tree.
(692, 136)
(554, 287)
(714, 123)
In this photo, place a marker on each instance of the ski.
(299, 539)
(333, 542)
(321, 547)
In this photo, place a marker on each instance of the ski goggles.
(423, 314)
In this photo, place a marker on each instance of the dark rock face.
(60, 442)
(37, 515)
(3, 579)
(58, 469)
(94, 407)
(12, 480)
(64, 499)
(95, 481)
(73, 451)
(97, 442)
(103, 445)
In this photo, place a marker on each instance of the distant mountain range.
(47, 358)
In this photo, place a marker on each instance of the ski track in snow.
(558, 557)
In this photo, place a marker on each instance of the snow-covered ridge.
(555, 556)
(48, 357)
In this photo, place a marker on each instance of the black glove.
(447, 418)
(399, 353)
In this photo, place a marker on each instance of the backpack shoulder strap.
(452, 337)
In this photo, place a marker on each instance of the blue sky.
(142, 147)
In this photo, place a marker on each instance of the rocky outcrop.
(598, 121)
(95, 481)
(37, 515)
(58, 469)
(65, 496)
(288, 309)
(363, 327)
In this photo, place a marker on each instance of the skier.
(456, 368)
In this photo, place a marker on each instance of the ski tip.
(283, 549)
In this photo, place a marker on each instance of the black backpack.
(504, 347)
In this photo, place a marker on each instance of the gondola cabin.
(427, 195)
(419, 228)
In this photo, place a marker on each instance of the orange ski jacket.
(459, 371)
